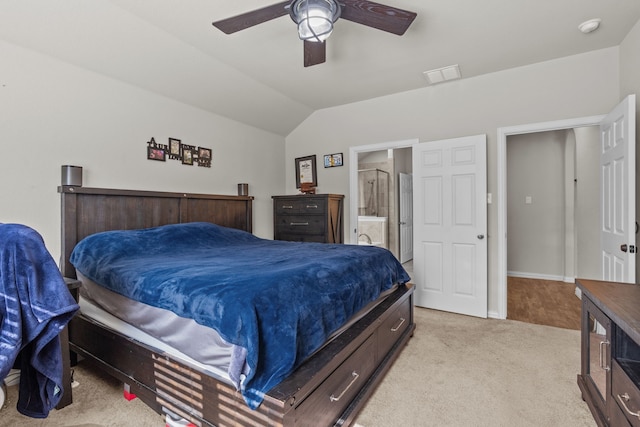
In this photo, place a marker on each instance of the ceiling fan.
(315, 19)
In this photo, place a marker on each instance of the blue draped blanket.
(35, 305)
(278, 300)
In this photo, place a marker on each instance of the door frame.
(406, 178)
(353, 178)
(503, 133)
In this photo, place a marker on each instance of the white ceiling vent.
(441, 75)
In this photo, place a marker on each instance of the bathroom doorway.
(375, 192)
(373, 207)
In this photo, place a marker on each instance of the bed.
(328, 388)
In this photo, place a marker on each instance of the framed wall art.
(204, 157)
(306, 171)
(175, 148)
(332, 160)
(156, 153)
(188, 153)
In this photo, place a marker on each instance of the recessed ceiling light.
(590, 26)
(440, 75)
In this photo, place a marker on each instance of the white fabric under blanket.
(158, 328)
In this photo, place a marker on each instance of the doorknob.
(480, 236)
(623, 248)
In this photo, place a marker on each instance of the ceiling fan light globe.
(315, 29)
(315, 18)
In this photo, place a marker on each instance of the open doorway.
(553, 223)
(503, 246)
(374, 194)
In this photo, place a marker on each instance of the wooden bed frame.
(328, 389)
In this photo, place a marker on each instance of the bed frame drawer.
(393, 327)
(336, 392)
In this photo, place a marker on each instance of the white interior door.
(406, 216)
(450, 225)
(617, 190)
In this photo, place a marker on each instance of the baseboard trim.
(526, 275)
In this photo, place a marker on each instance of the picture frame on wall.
(204, 157)
(204, 153)
(187, 156)
(175, 147)
(155, 153)
(306, 171)
(333, 160)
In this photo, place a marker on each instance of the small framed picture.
(187, 156)
(332, 160)
(204, 157)
(204, 153)
(306, 171)
(155, 153)
(174, 148)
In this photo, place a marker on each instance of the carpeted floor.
(455, 371)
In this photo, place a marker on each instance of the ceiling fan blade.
(314, 53)
(376, 15)
(249, 19)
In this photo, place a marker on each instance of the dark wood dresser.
(309, 218)
(610, 372)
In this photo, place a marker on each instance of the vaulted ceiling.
(256, 76)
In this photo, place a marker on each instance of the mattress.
(157, 328)
(168, 333)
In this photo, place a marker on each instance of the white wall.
(536, 230)
(52, 113)
(588, 257)
(576, 86)
(556, 236)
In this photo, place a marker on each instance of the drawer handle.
(402, 320)
(299, 223)
(287, 207)
(625, 398)
(355, 378)
(312, 206)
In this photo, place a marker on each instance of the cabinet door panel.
(596, 353)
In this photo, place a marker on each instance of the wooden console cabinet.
(309, 218)
(610, 371)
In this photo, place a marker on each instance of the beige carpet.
(455, 371)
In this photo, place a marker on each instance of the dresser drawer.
(330, 399)
(626, 393)
(304, 205)
(300, 224)
(291, 237)
(393, 327)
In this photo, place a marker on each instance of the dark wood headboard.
(87, 211)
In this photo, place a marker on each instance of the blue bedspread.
(279, 300)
